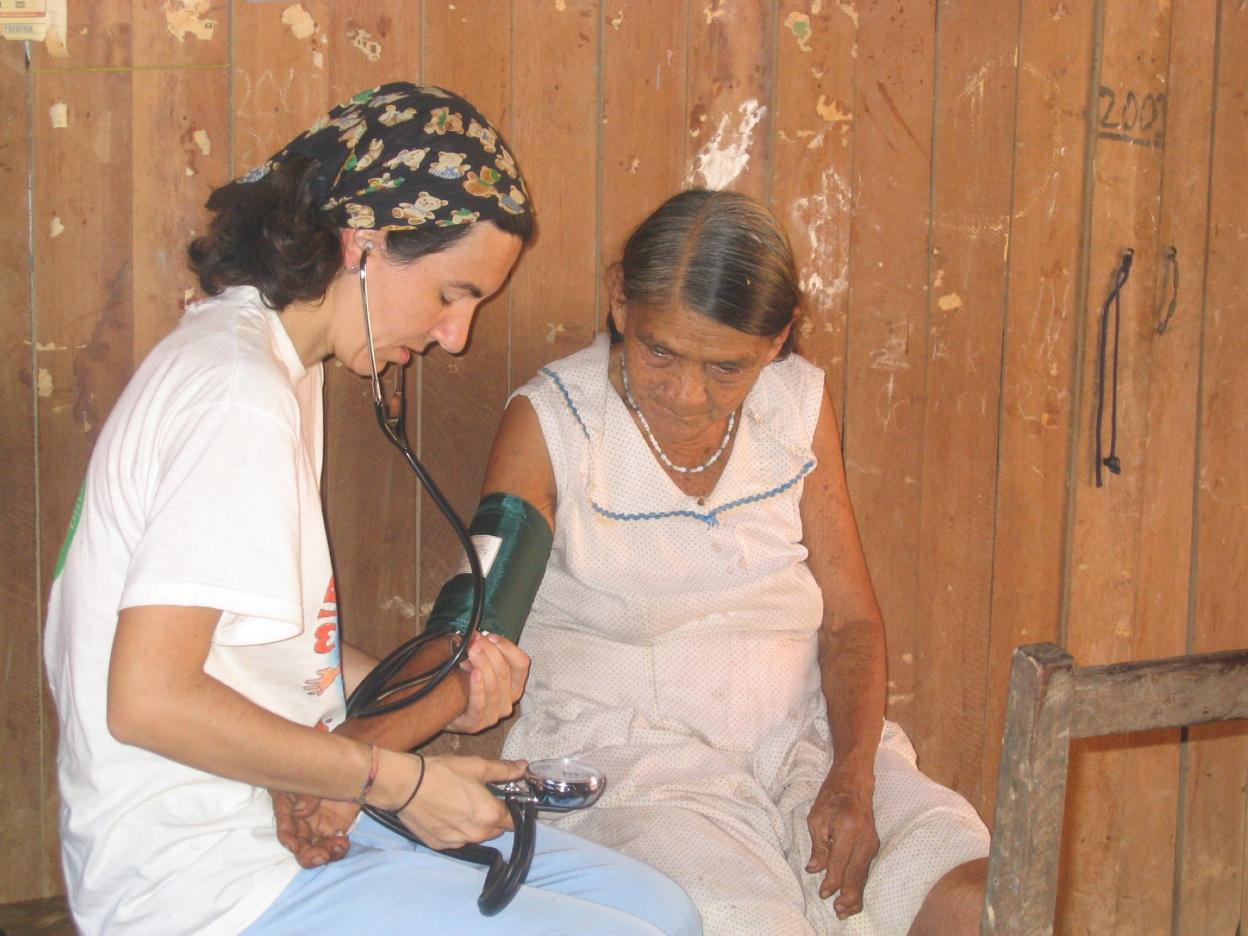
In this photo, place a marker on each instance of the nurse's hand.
(497, 670)
(454, 807)
(843, 839)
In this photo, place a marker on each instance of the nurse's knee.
(668, 907)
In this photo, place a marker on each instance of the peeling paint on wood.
(727, 153)
(188, 18)
(300, 21)
(799, 24)
(363, 40)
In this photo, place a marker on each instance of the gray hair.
(721, 254)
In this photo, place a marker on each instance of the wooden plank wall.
(959, 180)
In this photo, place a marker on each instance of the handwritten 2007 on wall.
(1130, 117)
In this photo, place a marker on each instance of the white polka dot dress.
(673, 644)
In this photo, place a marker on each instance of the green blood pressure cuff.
(512, 540)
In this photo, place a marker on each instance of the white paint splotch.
(302, 25)
(300, 21)
(823, 217)
(365, 41)
(189, 18)
(726, 154)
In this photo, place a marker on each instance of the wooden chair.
(1052, 702)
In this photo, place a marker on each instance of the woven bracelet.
(374, 764)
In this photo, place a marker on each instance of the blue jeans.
(387, 884)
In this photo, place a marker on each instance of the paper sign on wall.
(37, 21)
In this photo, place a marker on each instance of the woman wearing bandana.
(192, 640)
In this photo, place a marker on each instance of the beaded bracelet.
(415, 789)
(374, 764)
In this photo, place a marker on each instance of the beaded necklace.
(654, 443)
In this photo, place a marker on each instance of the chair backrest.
(1052, 702)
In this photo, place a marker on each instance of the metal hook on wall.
(1110, 461)
(1171, 284)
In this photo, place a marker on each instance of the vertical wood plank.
(556, 134)
(181, 148)
(280, 84)
(462, 397)
(975, 113)
(84, 329)
(27, 871)
(1115, 844)
(371, 43)
(729, 95)
(281, 77)
(813, 166)
(1172, 360)
(887, 342)
(98, 35)
(1213, 882)
(83, 277)
(180, 32)
(644, 69)
(1038, 366)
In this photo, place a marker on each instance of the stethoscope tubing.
(503, 879)
(368, 699)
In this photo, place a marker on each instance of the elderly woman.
(706, 583)
(192, 640)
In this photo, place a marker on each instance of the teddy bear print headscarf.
(401, 156)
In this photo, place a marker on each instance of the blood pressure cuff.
(512, 540)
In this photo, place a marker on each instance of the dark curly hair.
(721, 254)
(273, 235)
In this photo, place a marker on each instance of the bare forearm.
(205, 724)
(160, 698)
(853, 673)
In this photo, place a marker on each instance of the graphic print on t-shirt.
(326, 636)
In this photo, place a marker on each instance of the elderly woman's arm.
(520, 462)
(852, 669)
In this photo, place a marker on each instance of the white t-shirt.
(203, 490)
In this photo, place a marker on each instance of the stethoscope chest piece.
(556, 785)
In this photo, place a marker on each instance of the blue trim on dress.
(712, 518)
(567, 398)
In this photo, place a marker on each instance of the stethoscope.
(557, 785)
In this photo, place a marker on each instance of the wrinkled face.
(426, 301)
(686, 371)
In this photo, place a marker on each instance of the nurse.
(192, 638)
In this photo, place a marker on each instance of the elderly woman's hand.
(843, 837)
(497, 670)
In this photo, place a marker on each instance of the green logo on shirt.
(73, 527)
